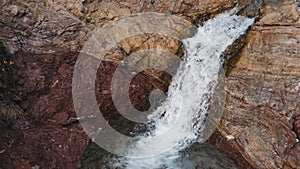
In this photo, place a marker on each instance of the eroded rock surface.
(263, 92)
(45, 38)
(259, 125)
(62, 25)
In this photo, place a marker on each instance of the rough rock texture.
(45, 38)
(39, 27)
(297, 125)
(261, 121)
(263, 100)
(60, 25)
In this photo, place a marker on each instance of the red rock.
(21, 163)
(49, 146)
(61, 117)
(45, 69)
(65, 70)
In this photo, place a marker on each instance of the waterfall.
(177, 122)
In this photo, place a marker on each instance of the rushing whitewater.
(179, 120)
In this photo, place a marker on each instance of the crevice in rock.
(231, 55)
(296, 126)
(297, 4)
(226, 146)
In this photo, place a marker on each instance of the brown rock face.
(45, 38)
(297, 125)
(54, 26)
(263, 91)
(263, 87)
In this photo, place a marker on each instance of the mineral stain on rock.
(44, 37)
(262, 91)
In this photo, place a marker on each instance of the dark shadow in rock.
(205, 156)
(96, 158)
(251, 9)
(199, 156)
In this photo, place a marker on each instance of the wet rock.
(45, 37)
(200, 156)
(250, 8)
(204, 156)
(226, 145)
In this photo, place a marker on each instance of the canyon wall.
(38, 122)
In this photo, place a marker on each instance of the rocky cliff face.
(44, 38)
(261, 119)
(41, 27)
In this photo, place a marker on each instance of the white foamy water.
(178, 120)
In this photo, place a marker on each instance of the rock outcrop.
(260, 125)
(263, 93)
(41, 27)
(44, 38)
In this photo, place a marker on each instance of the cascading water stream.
(179, 120)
